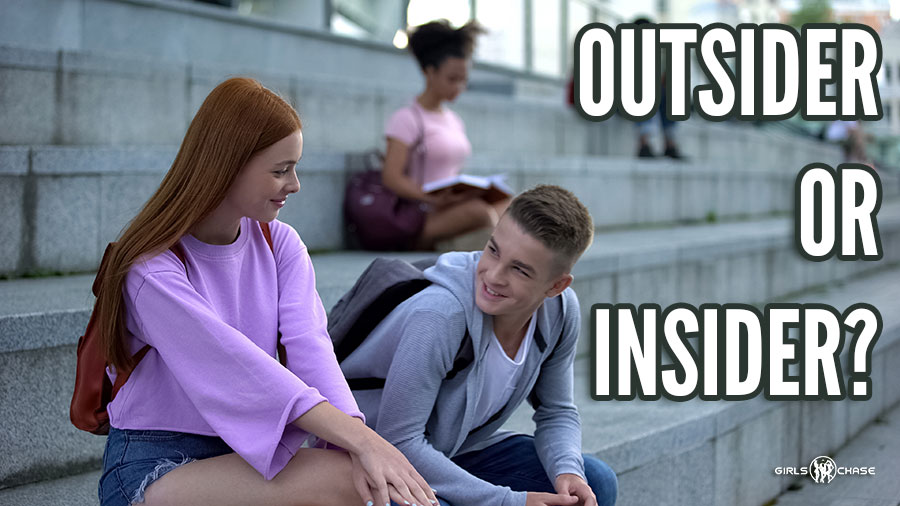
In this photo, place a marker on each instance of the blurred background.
(536, 36)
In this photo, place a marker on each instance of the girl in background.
(426, 141)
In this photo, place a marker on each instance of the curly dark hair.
(435, 41)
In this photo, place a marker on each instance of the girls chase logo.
(823, 470)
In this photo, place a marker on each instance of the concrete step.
(877, 446)
(750, 261)
(64, 203)
(96, 97)
(75, 490)
(40, 319)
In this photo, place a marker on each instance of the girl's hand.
(381, 474)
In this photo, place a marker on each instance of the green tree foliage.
(812, 11)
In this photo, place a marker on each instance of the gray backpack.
(384, 284)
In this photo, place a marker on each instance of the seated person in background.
(850, 136)
(510, 309)
(426, 141)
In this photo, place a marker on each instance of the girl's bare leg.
(313, 477)
(458, 219)
(464, 217)
(500, 208)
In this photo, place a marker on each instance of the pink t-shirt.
(444, 147)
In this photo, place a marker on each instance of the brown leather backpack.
(93, 389)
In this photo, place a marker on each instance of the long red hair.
(237, 119)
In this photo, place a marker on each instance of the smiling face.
(448, 79)
(263, 184)
(516, 273)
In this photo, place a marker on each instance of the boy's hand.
(544, 499)
(574, 485)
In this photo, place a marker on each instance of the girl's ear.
(561, 283)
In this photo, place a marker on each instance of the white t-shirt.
(840, 130)
(501, 375)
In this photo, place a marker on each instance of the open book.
(494, 187)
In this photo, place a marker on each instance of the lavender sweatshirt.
(212, 328)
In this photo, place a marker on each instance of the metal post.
(403, 14)
(529, 37)
(564, 49)
(327, 13)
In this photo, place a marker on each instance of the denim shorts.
(134, 459)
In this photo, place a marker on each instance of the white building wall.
(889, 79)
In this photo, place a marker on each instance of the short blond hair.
(555, 217)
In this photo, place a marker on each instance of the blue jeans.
(514, 463)
(134, 459)
(668, 126)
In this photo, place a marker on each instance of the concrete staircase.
(86, 135)
(65, 203)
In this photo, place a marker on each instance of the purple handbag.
(376, 217)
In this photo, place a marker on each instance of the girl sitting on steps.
(209, 415)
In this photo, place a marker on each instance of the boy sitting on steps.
(511, 309)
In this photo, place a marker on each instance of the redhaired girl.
(209, 415)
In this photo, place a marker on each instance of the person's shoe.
(645, 152)
(672, 152)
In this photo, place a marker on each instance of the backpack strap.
(123, 375)
(419, 147)
(492, 419)
(464, 357)
(267, 233)
(532, 396)
(375, 312)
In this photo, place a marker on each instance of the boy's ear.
(561, 283)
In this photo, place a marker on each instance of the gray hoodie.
(430, 418)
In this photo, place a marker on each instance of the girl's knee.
(602, 480)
